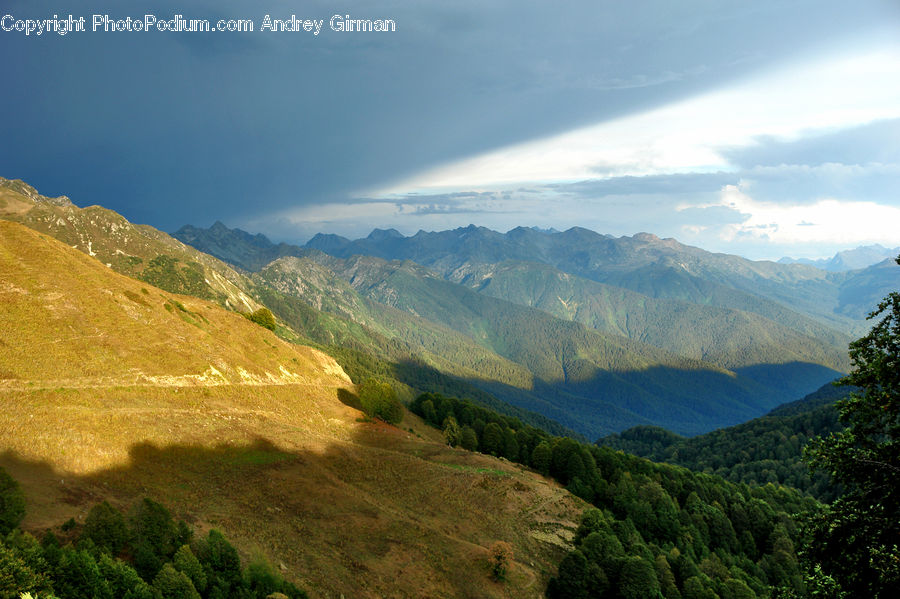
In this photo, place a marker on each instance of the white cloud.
(824, 221)
(822, 95)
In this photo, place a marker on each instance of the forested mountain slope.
(661, 268)
(775, 362)
(596, 371)
(757, 452)
(658, 530)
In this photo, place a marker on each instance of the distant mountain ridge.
(594, 356)
(681, 300)
(855, 259)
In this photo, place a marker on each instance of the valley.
(130, 368)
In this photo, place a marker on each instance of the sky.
(767, 128)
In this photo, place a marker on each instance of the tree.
(156, 537)
(428, 412)
(12, 503)
(185, 561)
(77, 576)
(637, 579)
(570, 581)
(510, 445)
(492, 439)
(500, 559)
(220, 562)
(540, 457)
(469, 438)
(106, 527)
(264, 318)
(855, 540)
(16, 576)
(124, 582)
(452, 432)
(379, 400)
(173, 584)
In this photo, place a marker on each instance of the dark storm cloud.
(169, 128)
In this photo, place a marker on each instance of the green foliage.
(185, 561)
(106, 528)
(124, 582)
(637, 579)
(18, 576)
(172, 584)
(541, 456)
(469, 438)
(452, 432)
(156, 537)
(263, 317)
(171, 274)
(857, 539)
(221, 564)
(657, 529)
(77, 576)
(152, 568)
(379, 400)
(492, 439)
(763, 450)
(12, 503)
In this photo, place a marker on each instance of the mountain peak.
(646, 237)
(382, 234)
(32, 194)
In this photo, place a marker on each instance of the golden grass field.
(107, 393)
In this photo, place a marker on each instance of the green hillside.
(646, 360)
(657, 530)
(732, 339)
(595, 371)
(660, 268)
(763, 450)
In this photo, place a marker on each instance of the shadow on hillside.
(383, 511)
(688, 402)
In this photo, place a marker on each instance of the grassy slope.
(146, 253)
(138, 251)
(792, 295)
(102, 400)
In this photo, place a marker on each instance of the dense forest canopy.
(654, 527)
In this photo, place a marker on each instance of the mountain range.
(145, 354)
(660, 321)
(567, 330)
(854, 259)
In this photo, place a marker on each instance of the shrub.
(500, 559)
(263, 317)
